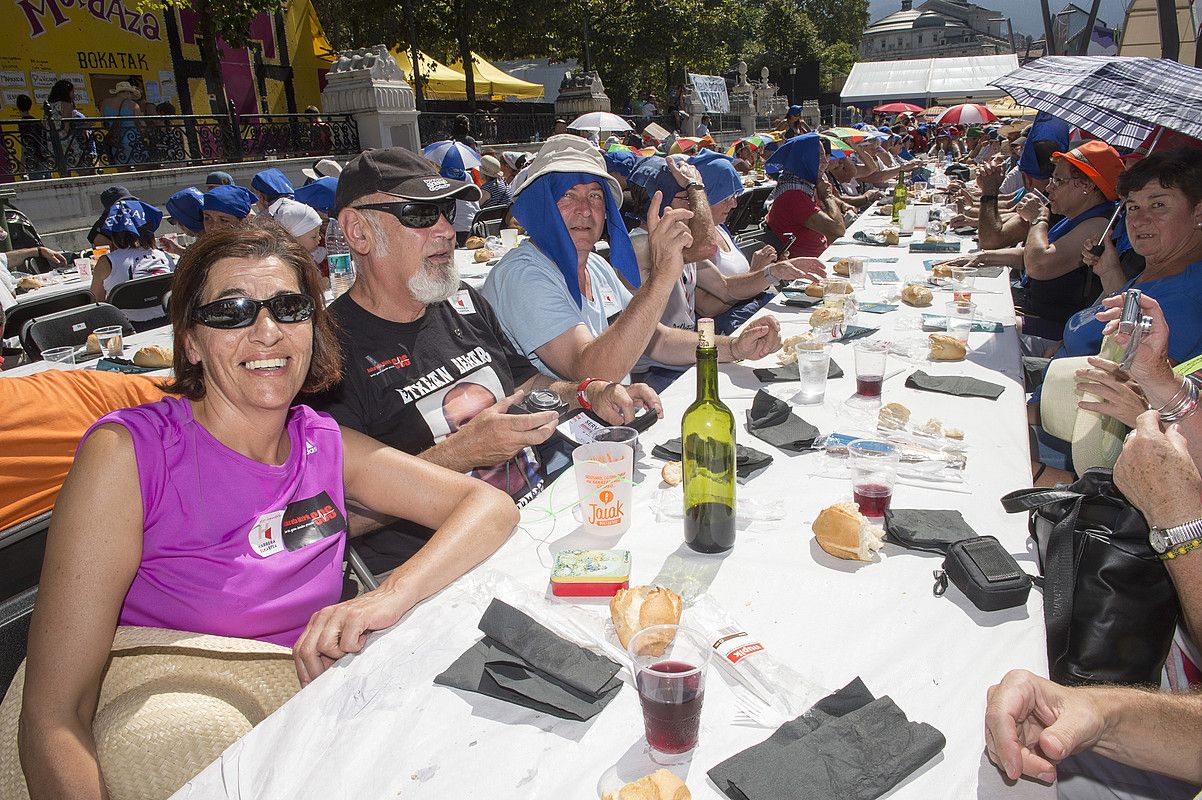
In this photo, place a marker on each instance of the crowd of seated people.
(399, 389)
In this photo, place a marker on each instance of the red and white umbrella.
(898, 108)
(966, 114)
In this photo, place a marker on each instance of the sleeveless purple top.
(232, 546)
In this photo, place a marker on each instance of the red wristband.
(585, 404)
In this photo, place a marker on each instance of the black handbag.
(1109, 606)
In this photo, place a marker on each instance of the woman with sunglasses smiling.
(224, 510)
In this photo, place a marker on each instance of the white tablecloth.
(160, 336)
(375, 725)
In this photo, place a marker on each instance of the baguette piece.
(659, 785)
(843, 267)
(946, 348)
(93, 345)
(915, 295)
(641, 607)
(154, 356)
(474, 242)
(893, 416)
(825, 317)
(843, 532)
(815, 290)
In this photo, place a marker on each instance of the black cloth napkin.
(116, 364)
(958, 385)
(789, 372)
(800, 301)
(849, 746)
(748, 461)
(933, 530)
(524, 663)
(772, 420)
(872, 239)
(988, 272)
(852, 332)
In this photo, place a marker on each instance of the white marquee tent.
(945, 79)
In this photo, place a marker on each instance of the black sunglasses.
(416, 214)
(241, 312)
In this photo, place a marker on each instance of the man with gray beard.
(426, 367)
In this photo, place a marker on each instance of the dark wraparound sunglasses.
(241, 312)
(416, 214)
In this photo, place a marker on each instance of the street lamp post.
(793, 85)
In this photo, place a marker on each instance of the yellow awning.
(1006, 107)
(440, 82)
(496, 84)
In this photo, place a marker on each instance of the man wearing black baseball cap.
(426, 366)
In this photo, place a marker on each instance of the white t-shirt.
(133, 263)
(1012, 182)
(465, 212)
(8, 285)
(730, 262)
(532, 301)
(679, 312)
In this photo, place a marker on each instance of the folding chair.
(751, 241)
(748, 210)
(488, 221)
(70, 327)
(141, 293)
(167, 304)
(22, 548)
(24, 311)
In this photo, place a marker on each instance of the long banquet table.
(376, 726)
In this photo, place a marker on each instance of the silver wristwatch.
(1164, 539)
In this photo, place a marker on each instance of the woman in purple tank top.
(223, 511)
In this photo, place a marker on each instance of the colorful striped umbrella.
(848, 134)
(966, 114)
(757, 141)
(453, 159)
(837, 143)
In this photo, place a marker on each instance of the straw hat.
(325, 168)
(170, 703)
(126, 86)
(566, 153)
(490, 166)
(1097, 438)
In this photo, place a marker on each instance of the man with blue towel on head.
(564, 306)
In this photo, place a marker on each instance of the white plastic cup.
(960, 316)
(922, 215)
(112, 341)
(855, 271)
(509, 238)
(603, 481)
(813, 366)
(905, 220)
(84, 267)
(59, 357)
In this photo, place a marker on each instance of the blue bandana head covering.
(318, 195)
(620, 162)
(651, 174)
(233, 200)
(272, 184)
(1045, 128)
(186, 207)
(794, 111)
(535, 209)
(131, 216)
(800, 155)
(719, 174)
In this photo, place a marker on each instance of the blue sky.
(1025, 14)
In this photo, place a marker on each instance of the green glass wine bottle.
(708, 445)
(899, 197)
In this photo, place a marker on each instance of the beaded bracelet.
(1181, 549)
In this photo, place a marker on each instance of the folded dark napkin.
(934, 530)
(852, 332)
(524, 663)
(988, 272)
(849, 746)
(748, 461)
(873, 239)
(789, 372)
(122, 365)
(958, 385)
(800, 300)
(772, 420)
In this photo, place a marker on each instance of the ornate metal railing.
(488, 128)
(33, 149)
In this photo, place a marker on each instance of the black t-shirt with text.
(411, 385)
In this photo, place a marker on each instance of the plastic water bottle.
(338, 253)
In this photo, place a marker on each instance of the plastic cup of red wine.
(870, 369)
(669, 663)
(873, 475)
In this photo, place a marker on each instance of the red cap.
(1101, 162)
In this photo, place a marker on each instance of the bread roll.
(826, 317)
(954, 433)
(29, 282)
(915, 295)
(843, 532)
(93, 345)
(482, 254)
(893, 416)
(815, 290)
(946, 348)
(641, 607)
(934, 238)
(154, 356)
(940, 270)
(672, 473)
(932, 427)
(659, 785)
(843, 267)
(890, 236)
(474, 242)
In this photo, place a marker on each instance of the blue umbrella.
(1121, 100)
(453, 159)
